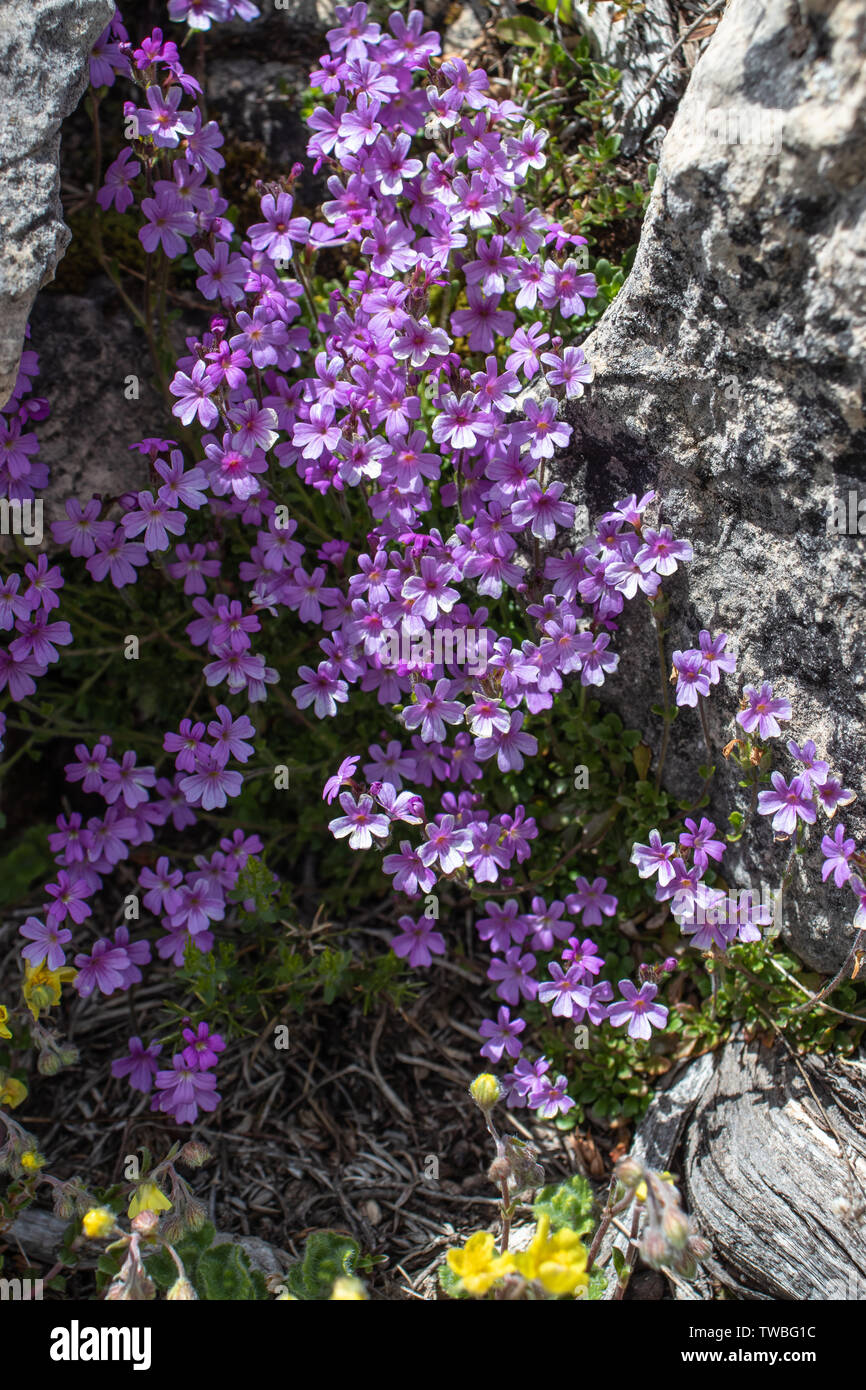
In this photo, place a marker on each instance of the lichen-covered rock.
(729, 375)
(44, 47)
(95, 369)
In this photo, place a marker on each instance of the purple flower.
(202, 1047)
(502, 1036)
(447, 843)
(168, 225)
(321, 688)
(345, 772)
(161, 119)
(185, 1090)
(212, 783)
(638, 1010)
(162, 885)
(591, 901)
(104, 969)
(542, 510)
(279, 230)
(763, 710)
(786, 802)
(837, 851)
(140, 1066)
(410, 875)
(432, 710)
(583, 956)
(660, 552)
(699, 838)
(418, 941)
(565, 990)
(194, 392)
(508, 747)
(200, 905)
(118, 177)
(46, 942)
(831, 795)
(69, 898)
(360, 821)
(546, 435)
(692, 679)
(815, 771)
(551, 1098)
(715, 658)
(654, 858)
(514, 976)
(526, 1082)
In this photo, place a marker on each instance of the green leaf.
(619, 1264)
(549, 7)
(526, 32)
(642, 757)
(568, 1204)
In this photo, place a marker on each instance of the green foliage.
(568, 1203)
(216, 1272)
(451, 1283)
(24, 862)
(327, 1256)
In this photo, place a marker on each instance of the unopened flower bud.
(654, 1250)
(629, 1172)
(181, 1291)
(486, 1090)
(146, 1223)
(676, 1228)
(48, 1064)
(348, 1290)
(669, 965)
(193, 1154)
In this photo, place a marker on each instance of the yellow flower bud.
(181, 1290)
(348, 1290)
(98, 1222)
(486, 1090)
(4, 1014)
(31, 1161)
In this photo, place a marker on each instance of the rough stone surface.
(87, 350)
(773, 1164)
(44, 46)
(729, 377)
(767, 1178)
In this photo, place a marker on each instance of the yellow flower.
(98, 1222)
(42, 987)
(348, 1291)
(4, 1014)
(557, 1261)
(147, 1197)
(476, 1265)
(31, 1161)
(12, 1091)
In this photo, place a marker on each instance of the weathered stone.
(91, 362)
(44, 47)
(729, 375)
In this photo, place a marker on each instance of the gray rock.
(729, 375)
(87, 355)
(44, 47)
